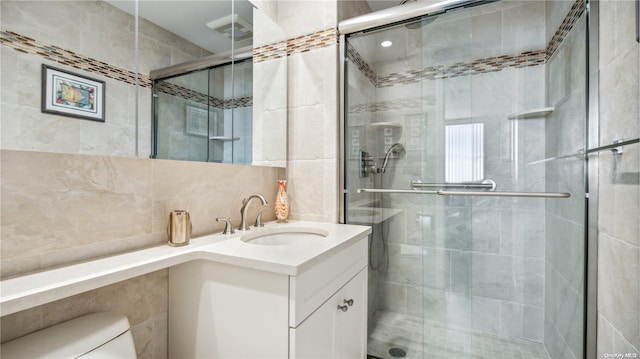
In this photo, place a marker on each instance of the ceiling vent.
(232, 26)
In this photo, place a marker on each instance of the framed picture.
(68, 94)
(197, 122)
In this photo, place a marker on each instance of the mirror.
(211, 109)
(102, 40)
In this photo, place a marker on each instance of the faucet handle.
(259, 219)
(228, 228)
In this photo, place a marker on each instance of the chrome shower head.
(396, 148)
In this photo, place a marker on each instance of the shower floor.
(392, 330)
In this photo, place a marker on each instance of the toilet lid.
(70, 339)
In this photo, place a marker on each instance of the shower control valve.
(366, 164)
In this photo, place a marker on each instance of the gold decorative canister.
(179, 228)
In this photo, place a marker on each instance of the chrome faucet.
(245, 206)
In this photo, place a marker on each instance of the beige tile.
(619, 108)
(312, 77)
(619, 202)
(160, 336)
(301, 17)
(312, 190)
(207, 190)
(523, 28)
(306, 133)
(18, 324)
(618, 290)
(330, 191)
(143, 340)
(607, 33)
(9, 67)
(58, 201)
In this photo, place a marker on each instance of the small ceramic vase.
(282, 202)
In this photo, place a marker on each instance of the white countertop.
(31, 290)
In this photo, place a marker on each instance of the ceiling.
(188, 18)
(377, 5)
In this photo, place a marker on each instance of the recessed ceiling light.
(386, 43)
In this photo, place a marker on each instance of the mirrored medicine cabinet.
(186, 80)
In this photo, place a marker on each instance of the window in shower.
(464, 153)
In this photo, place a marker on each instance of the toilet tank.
(98, 335)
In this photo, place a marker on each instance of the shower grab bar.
(505, 194)
(488, 184)
(469, 193)
(614, 146)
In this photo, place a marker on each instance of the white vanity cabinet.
(335, 330)
(226, 311)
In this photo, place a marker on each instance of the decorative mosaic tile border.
(567, 24)
(270, 52)
(190, 95)
(297, 45)
(27, 45)
(490, 64)
(409, 103)
(31, 46)
(363, 66)
(316, 40)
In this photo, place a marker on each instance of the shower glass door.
(487, 99)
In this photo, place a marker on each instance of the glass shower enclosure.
(462, 137)
(205, 115)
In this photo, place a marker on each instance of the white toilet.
(94, 336)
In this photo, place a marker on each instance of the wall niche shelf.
(531, 114)
(223, 138)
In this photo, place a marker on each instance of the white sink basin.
(285, 236)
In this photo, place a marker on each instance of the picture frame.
(73, 95)
(197, 121)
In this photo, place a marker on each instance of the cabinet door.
(338, 329)
(316, 338)
(353, 322)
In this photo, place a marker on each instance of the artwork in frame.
(68, 94)
(197, 123)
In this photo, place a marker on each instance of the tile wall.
(269, 85)
(312, 146)
(59, 209)
(619, 183)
